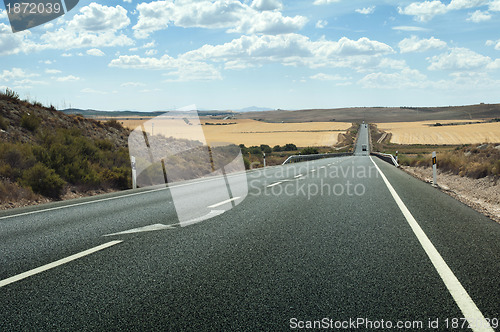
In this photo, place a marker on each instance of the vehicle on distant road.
(364, 147)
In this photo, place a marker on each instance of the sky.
(229, 54)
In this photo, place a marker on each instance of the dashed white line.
(150, 228)
(469, 309)
(222, 203)
(297, 176)
(49, 266)
(211, 214)
(274, 184)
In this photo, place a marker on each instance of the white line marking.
(274, 184)
(323, 167)
(222, 203)
(460, 295)
(211, 214)
(313, 170)
(297, 176)
(49, 266)
(150, 228)
(80, 204)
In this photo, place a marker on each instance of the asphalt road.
(325, 241)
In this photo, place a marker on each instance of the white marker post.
(434, 169)
(264, 158)
(134, 173)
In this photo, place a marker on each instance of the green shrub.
(290, 147)
(266, 148)
(255, 150)
(14, 159)
(114, 124)
(3, 123)
(30, 122)
(105, 144)
(277, 148)
(44, 181)
(309, 150)
(9, 95)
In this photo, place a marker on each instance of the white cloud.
(128, 1)
(424, 11)
(151, 52)
(15, 74)
(95, 52)
(321, 24)
(3, 14)
(267, 5)
(96, 18)
(14, 43)
(327, 77)
(495, 6)
(69, 78)
(66, 55)
(149, 45)
(182, 68)
(132, 84)
(466, 4)
(406, 78)
(96, 26)
(479, 16)
(67, 39)
(219, 14)
(414, 44)
(494, 64)
(366, 11)
(93, 91)
(459, 59)
(495, 43)
(324, 2)
(409, 28)
(292, 49)
(269, 23)
(52, 71)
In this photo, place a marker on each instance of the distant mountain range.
(90, 113)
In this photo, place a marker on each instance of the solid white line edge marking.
(274, 184)
(222, 203)
(52, 265)
(464, 301)
(150, 228)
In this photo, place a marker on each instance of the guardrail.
(389, 158)
(307, 157)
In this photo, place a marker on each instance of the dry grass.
(248, 132)
(422, 133)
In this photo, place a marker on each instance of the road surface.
(330, 242)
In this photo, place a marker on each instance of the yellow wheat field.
(422, 133)
(249, 132)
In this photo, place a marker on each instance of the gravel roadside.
(483, 195)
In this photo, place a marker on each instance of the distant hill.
(379, 114)
(48, 155)
(89, 113)
(253, 109)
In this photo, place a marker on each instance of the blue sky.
(229, 54)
